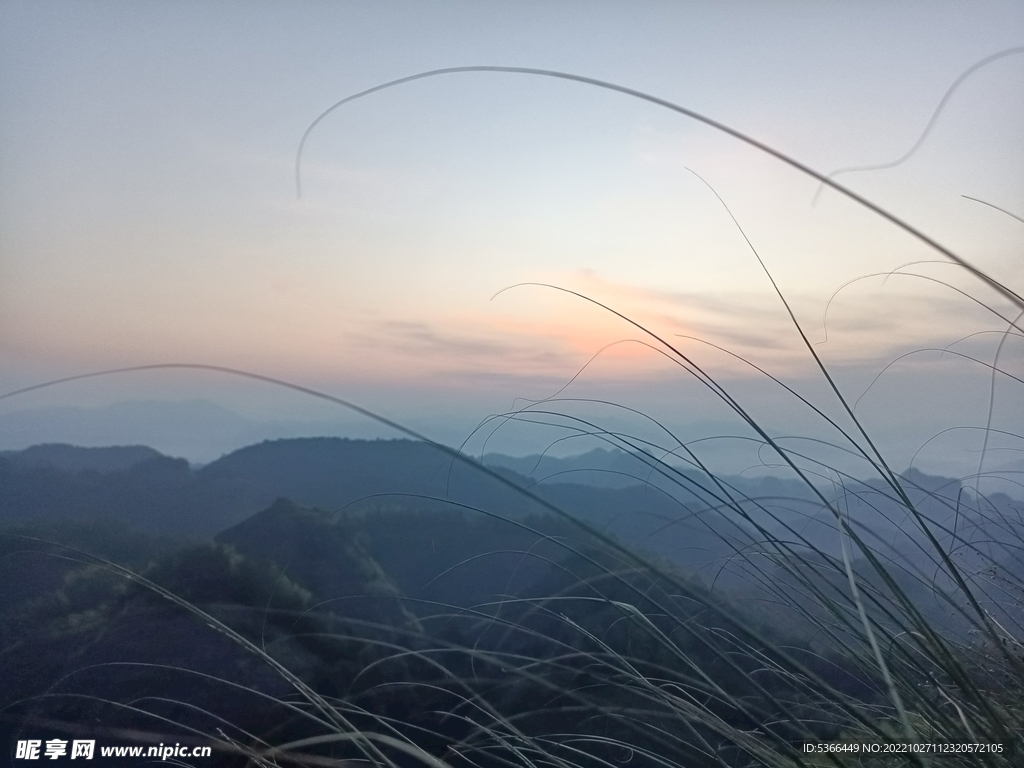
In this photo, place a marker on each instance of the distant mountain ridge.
(599, 467)
(73, 458)
(198, 430)
(167, 496)
(695, 523)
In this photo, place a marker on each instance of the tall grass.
(628, 661)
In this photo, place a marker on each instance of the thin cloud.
(425, 341)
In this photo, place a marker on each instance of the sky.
(148, 214)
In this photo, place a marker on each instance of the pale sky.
(148, 211)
